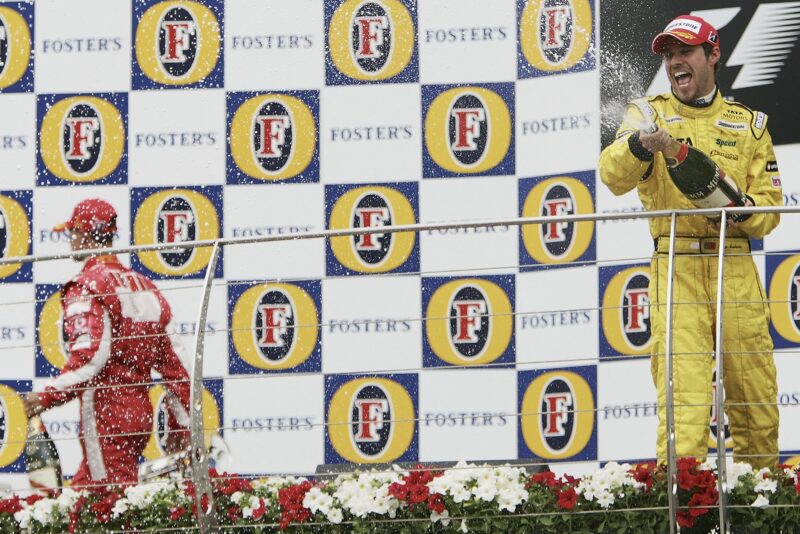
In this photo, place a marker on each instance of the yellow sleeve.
(620, 169)
(763, 186)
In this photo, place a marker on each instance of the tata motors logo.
(16, 59)
(625, 310)
(161, 398)
(558, 243)
(177, 44)
(13, 425)
(783, 281)
(274, 326)
(555, 36)
(371, 41)
(372, 206)
(371, 419)
(82, 139)
(15, 234)
(174, 216)
(557, 409)
(468, 321)
(468, 130)
(273, 137)
(51, 346)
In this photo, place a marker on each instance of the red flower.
(797, 486)
(544, 478)
(685, 520)
(567, 499)
(233, 513)
(436, 504)
(176, 513)
(291, 502)
(259, 512)
(11, 506)
(643, 474)
(686, 480)
(684, 464)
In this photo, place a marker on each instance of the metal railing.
(207, 521)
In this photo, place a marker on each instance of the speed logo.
(13, 425)
(371, 41)
(161, 399)
(372, 206)
(51, 346)
(371, 420)
(557, 243)
(82, 139)
(557, 408)
(275, 327)
(468, 130)
(555, 36)
(468, 321)
(625, 311)
(16, 60)
(178, 44)
(175, 216)
(783, 280)
(273, 137)
(15, 234)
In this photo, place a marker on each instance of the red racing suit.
(736, 138)
(115, 328)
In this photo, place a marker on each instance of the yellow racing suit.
(736, 138)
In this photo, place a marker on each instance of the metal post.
(722, 484)
(206, 517)
(672, 481)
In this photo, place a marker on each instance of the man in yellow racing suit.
(737, 139)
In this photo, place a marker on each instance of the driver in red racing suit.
(115, 327)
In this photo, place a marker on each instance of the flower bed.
(465, 498)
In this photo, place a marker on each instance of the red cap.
(91, 215)
(687, 29)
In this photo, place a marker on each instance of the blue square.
(16, 210)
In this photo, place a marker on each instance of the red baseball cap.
(92, 215)
(687, 29)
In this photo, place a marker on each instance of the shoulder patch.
(759, 124)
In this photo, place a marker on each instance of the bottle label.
(717, 199)
(44, 478)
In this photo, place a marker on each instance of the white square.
(274, 210)
(467, 41)
(62, 423)
(83, 46)
(18, 141)
(467, 414)
(176, 137)
(266, 41)
(788, 400)
(557, 318)
(184, 298)
(370, 134)
(621, 240)
(626, 415)
(558, 123)
(17, 331)
(54, 206)
(371, 324)
(475, 248)
(258, 419)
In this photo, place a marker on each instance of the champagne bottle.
(699, 178)
(41, 459)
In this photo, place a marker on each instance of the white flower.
(253, 504)
(767, 485)
(334, 515)
(605, 500)
(236, 497)
(444, 517)
(463, 527)
(120, 507)
(760, 502)
(23, 517)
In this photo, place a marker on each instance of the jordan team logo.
(273, 137)
(625, 311)
(371, 420)
(372, 206)
(555, 36)
(557, 409)
(371, 41)
(468, 130)
(16, 59)
(557, 243)
(174, 216)
(15, 234)
(275, 326)
(82, 139)
(13, 425)
(178, 43)
(468, 321)
(783, 280)
(160, 400)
